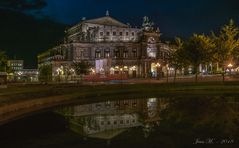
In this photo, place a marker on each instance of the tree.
(45, 73)
(3, 62)
(81, 68)
(198, 50)
(176, 57)
(226, 43)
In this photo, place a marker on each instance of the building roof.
(107, 20)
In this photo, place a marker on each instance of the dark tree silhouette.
(23, 4)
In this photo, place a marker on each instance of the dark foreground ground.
(204, 117)
(180, 127)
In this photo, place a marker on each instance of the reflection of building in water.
(95, 119)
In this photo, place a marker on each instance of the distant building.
(27, 75)
(21, 74)
(136, 52)
(15, 65)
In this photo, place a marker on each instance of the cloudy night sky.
(174, 17)
(25, 36)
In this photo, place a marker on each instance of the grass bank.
(118, 91)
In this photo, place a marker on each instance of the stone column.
(145, 70)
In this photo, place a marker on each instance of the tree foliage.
(198, 50)
(3, 63)
(45, 73)
(227, 44)
(82, 67)
(176, 57)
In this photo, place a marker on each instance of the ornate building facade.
(111, 47)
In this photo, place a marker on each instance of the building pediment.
(107, 20)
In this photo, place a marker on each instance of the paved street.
(203, 78)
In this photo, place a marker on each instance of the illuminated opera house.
(111, 47)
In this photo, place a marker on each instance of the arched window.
(97, 54)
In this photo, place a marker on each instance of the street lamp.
(230, 65)
(230, 68)
(20, 75)
(157, 67)
(112, 70)
(121, 76)
(167, 68)
(60, 72)
(121, 73)
(92, 71)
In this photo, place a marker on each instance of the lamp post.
(72, 73)
(121, 73)
(167, 68)
(157, 67)
(20, 75)
(230, 68)
(59, 72)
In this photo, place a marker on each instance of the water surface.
(149, 122)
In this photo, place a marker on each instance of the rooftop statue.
(147, 24)
(107, 13)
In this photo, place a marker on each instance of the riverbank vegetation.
(219, 51)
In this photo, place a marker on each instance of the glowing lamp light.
(92, 70)
(101, 69)
(72, 70)
(133, 68)
(59, 71)
(20, 73)
(229, 65)
(158, 65)
(171, 68)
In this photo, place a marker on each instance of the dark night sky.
(174, 17)
(24, 36)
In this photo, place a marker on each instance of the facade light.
(158, 65)
(230, 65)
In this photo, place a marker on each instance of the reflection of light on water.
(106, 120)
(152, 107)
(147, 130)
(151, 102)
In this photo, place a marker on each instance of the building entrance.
(155, 70)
